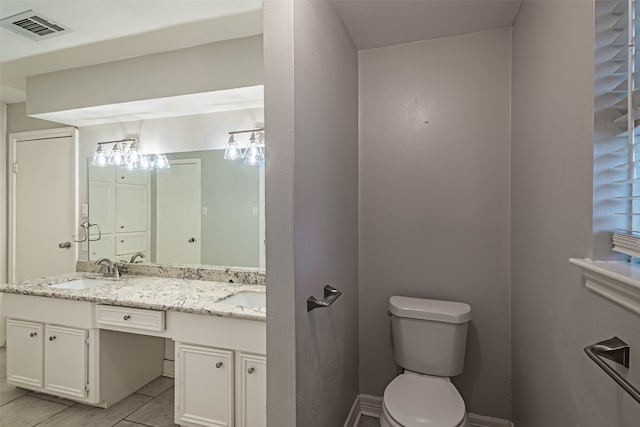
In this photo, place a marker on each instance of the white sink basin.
(247, 299)
(83, 283)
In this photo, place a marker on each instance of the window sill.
(617, 281)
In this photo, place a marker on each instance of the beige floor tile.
(28, 411)
(10, 392)
(366, 421)
(83, 415)
(125, 423)
(157, 413)
(156, 387)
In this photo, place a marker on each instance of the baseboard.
(169, 368)
(354, 414)
(476, 420)
(366, 404)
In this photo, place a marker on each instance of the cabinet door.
(251, 390)
(204, 386)
(101, 173)
(131, 208)
(103, 248)
(24, 353)
(101, 202)
(135, 176)
(65, 361)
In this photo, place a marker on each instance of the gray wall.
(317, 189)
(215, 66)
(434, 200)
(18, 121)
(554, 315)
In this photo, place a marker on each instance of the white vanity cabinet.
(48, 357)
(66, 361)
(251, 390)
(25, 354)
(205, 386)
(219, 387)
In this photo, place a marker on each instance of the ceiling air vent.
(33, 25)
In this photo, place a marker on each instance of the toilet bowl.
(429, 342)
(415, 400)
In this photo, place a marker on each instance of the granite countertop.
(157, 293)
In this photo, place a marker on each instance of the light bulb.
(116, 157)
(233, 152)
(99, 157)
(254, 154)
(160, 161)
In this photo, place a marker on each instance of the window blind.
(626, 65)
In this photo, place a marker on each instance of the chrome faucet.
(135, 256)
(111, 268)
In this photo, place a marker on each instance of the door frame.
(198, 202)
(14, 140)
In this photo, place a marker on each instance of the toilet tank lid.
(430, 309)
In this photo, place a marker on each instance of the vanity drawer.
(133, 318)
(129, 243)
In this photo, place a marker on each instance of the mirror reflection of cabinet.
(120, 206)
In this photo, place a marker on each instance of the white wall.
(434, 200)
(554, 315)
(312, 225)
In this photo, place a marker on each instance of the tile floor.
(152, 406)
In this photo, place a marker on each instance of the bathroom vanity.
(98, 343)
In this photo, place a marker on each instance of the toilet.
(429, 340)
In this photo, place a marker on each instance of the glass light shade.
(99, 157)
(160, 161)
(254, 154)
(116, 157)
(233, 152)
(145, 162)
(132, 156)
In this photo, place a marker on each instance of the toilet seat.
(413, 400)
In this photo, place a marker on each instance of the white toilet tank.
(429, 336)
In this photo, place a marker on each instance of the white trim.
(371, 406)
(3, 213)
(14, 139)
(169, 368)
(354, 414)
(197, 202)
(476, 420)
(616, 281)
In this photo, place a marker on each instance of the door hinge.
(15, 167)
(87, 340)
(86, 389)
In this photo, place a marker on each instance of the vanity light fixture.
(126, 154)
(253, 154)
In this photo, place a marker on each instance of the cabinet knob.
(251, 370)
(126, 317)
(219, 365)
(191, 240)
(33, 334)
(52, 338)
(122, 226)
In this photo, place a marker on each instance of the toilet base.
(387, 421)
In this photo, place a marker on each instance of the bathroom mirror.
(203, 210)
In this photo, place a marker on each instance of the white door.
(65, 361)
(204, 386)
(251, 390)
(24, 353)
(42, 203)
(178, 213)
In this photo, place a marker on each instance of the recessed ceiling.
(374, 23)
(184, 105)
(110, 30)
